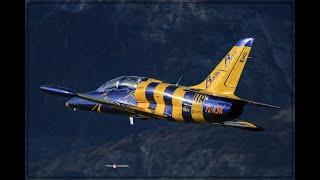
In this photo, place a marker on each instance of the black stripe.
(196, 97)
(167, 98)
(150, 95)
(186, 106)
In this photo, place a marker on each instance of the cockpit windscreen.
(121, 83)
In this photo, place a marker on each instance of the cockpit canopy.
(121, 83)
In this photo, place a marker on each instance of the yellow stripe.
(177, 104)
(144, 106)
(158, 96)
(140, 94)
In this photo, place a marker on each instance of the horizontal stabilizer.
(260, 104)
(243, 125)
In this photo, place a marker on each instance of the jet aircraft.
(212, 101)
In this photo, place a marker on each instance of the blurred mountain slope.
(186, 150)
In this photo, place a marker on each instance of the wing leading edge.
(135, 110)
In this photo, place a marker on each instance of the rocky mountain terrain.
(82, 45)
(182, 150)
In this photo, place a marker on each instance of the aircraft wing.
(131, 109)
(124, 107)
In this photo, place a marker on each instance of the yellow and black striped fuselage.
(213, 100)
(180, 104)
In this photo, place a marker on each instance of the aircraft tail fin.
(224, 78)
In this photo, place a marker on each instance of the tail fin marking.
(225, 77)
